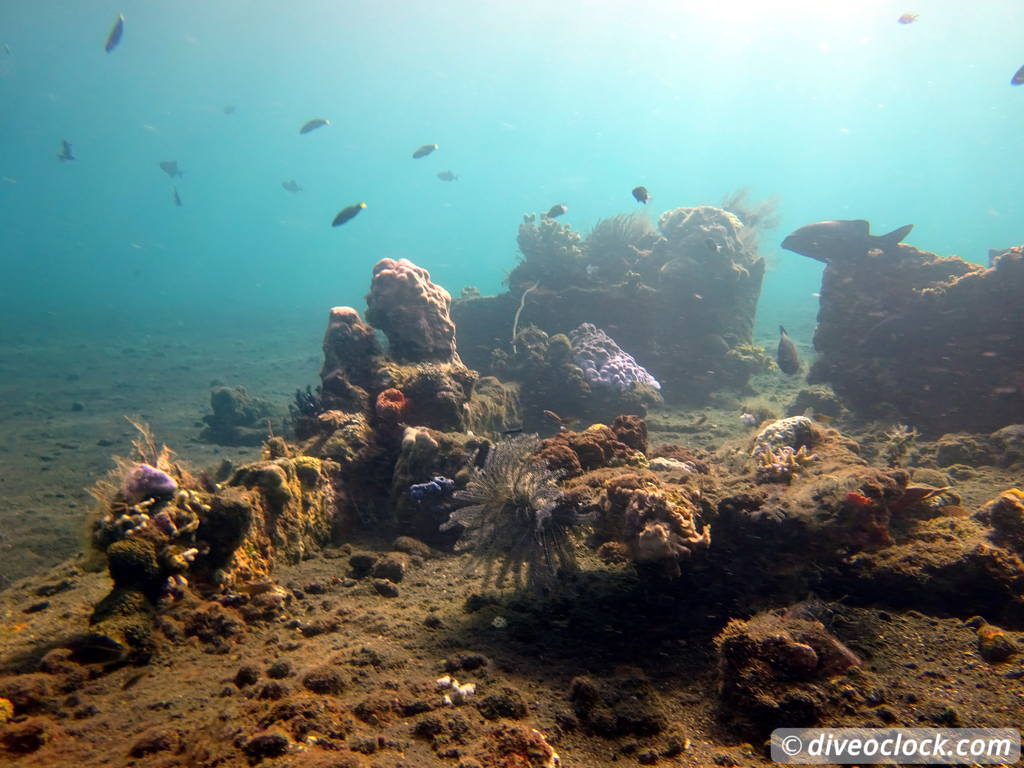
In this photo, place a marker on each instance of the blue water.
(833, 107)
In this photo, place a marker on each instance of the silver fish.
(115, 34)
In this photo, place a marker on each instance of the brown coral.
(413, 312)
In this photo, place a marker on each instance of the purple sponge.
(603, 362)
(145, 482)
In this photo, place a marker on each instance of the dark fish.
(512, 431)
(170, 167)
(787, 357)
(712, 245)
(1018, 77)
(831, 239)
(291, 185)
(447, 176)
(115, 34)
(558, 421)
(65, 150)
(556, 210)
(423, 151)
(177, 198)
(229, 109)
(641, 195)
(7, 49)
(313, 124)
(907, 18)
(347, 214)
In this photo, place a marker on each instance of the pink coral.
(413, 312)
(350, 346)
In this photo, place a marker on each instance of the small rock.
(279, 670)
(411, 546)
(506, 702)
(273, 691)
(325, 680)
(433, 621)
(28, 736)
(361, 563)
(269, 744)
(647, 757)
(392, 567)
(385, 588)
(246, 675)
(993, 644)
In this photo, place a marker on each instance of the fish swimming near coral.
(312, 125)
(641, 195)
(447, 176)
(425, 150)
(347, 214)
(291, 185)
(556, 210)
(1018, 77)
(177, 198)
(827, 240)
(558, 421)
(65, 150)
(116, 32)
(787, 357)
(170, 167)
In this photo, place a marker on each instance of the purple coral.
(604, 363)
(146, 482)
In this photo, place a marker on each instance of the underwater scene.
(506, 384)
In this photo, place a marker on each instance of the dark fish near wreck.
(1018, 77)
(291, 185)
(447, 176)
(512, 431)
(170, 167)
(827, 239)
(177, 198)
(313, 124)
(556, 210)
(641, 195)
(347, 214)
(65, 150)
(425, 150)
(115, 34)
(787, 357)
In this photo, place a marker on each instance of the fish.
(712, 245)
(291, 185)
(177, 198)
(787, 357)
(312, 125)
(65, 150)
(556, 210)
(1018, 77)
(512, 431)
(558, 421)
(347, 214)
(641, 195)
(6, 49)
(229, 109)
(115, 34)
(827, 240)
(170, 167)
(907, 18)
(447, 176)
(425, 150)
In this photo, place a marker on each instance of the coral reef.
(891, 336)
(237, 418)
(899, 442)
(775, 671)
(680, 299)
(413, 313)
(782, 464)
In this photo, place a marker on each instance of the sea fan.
(510, 518)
